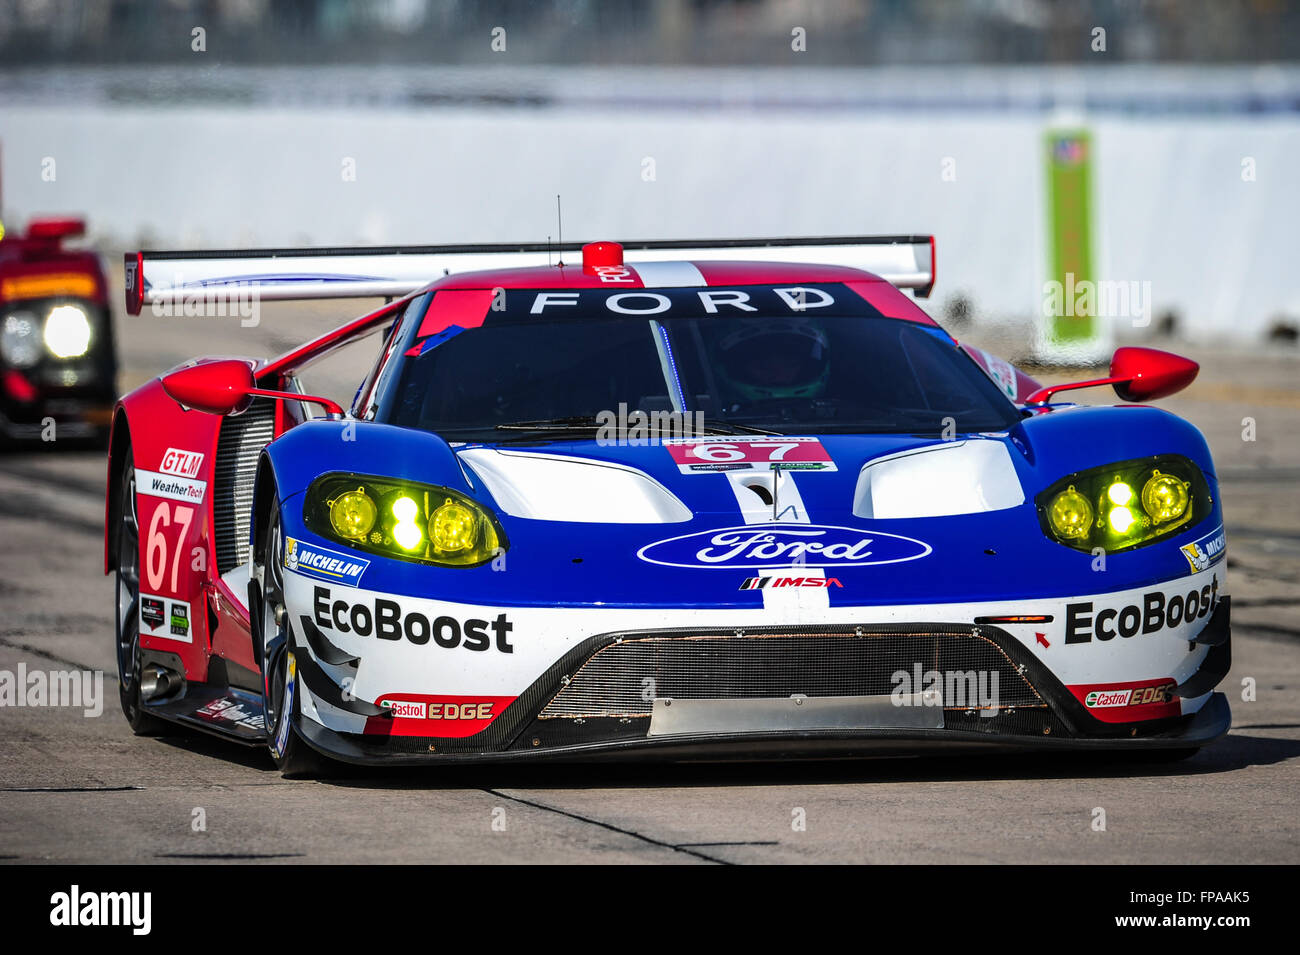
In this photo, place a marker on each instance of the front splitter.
(1209, 723)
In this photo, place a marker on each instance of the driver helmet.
(775, 358)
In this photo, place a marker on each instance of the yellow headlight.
(1165, 497)
(406, 531)
(404, 520)
(1121, 519)
(353, 514)
(453, 528)
(1070, 514)
(1119, 493)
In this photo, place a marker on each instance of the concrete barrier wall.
(1174, 209)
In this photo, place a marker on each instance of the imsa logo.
(772, 583)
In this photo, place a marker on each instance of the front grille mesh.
(624, 678)
(241, 441)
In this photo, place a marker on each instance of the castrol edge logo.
(1127, 702)
(436, 716)
(1107, 698)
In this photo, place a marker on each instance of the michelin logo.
(1206, 552)
(323, 563)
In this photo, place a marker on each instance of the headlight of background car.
(1125, 505)
(424, 523)
(67, 331)
(25, 338)
(20, 340)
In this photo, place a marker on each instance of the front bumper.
(745, 692)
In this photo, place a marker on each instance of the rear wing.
(906, 261)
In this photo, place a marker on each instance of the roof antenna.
(559, 226)
(548, 251)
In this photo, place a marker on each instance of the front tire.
(127, 630)
(293, 757)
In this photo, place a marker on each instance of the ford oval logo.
(758, 546)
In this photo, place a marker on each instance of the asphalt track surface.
(75, 788)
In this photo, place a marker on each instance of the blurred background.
(237, 123)
(701, 32)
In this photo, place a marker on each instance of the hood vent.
(548, 487)
(955, 477)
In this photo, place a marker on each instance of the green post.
(1072, 330)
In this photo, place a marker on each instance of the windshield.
(767, 370)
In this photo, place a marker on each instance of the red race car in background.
(58, 365)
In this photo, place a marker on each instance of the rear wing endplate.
(906, 261)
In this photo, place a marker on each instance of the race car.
(58, 366)
(668, 500)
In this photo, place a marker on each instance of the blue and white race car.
(725, 500)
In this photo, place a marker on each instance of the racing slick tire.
(292, 756)
(127, 609)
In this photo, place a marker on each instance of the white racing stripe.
(791, 603)
(668, 274)
(789, 507)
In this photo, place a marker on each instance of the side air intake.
(241, 441)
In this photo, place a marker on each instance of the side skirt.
(229, 709)
(227, 712)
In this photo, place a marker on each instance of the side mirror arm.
(332, 409)
(1043, 395)
(226, 386)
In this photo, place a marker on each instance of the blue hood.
(988, 556)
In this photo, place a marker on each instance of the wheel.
(293, 757)
(127, 635)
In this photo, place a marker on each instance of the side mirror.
(217, 387)
(1138, 374)
(1147, 373)
(228, 386)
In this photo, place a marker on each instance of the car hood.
(892, 518)
(895, 519)
(721, 480)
